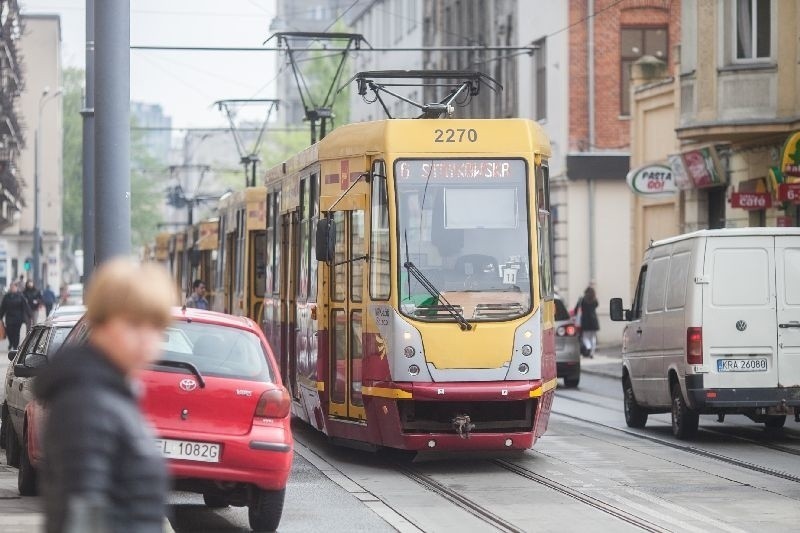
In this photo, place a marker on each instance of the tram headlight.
(409, 351)
(526, 349)
(413, 370)
(523, 368)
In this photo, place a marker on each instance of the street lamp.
(37, 230)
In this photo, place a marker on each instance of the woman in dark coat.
(14, 311)
(587, 306)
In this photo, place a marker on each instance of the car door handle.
(638, 331)
(20, 386)
(790, 325)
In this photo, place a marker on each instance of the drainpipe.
(590, 100)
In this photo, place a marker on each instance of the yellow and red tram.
(407, 282)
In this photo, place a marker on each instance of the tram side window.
(339, 285)
(379, 267)
(269, 256)
(302, 285)
(545, 233)
(240, 244)
(220, 271)
(276, 242)
(260, 263)
(313, 218)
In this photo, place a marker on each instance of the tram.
(408, 285)
(240, 260)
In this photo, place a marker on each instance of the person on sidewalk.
(101, 470)
(198, 297)
(48, 299)
(587, 309)
(14, 311)
(34, 297)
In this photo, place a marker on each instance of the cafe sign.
(789, 192)
(652, 180)
(751, 201)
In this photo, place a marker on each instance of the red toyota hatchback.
(220, 412)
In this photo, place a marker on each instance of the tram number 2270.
(458, 135)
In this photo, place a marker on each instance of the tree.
(145, 196)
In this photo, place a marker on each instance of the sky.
(185, 83)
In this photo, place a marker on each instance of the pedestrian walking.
(101, 470)
(198, 297)
(48, 299)
(34, 297)
(14, 311)
(586, 308)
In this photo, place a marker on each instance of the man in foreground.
(101, 470)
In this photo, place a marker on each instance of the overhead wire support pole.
(88, 150)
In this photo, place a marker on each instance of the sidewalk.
(19, 515)
(607, 362)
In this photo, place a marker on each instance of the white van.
(714, 329)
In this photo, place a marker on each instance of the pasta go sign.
(652, 180)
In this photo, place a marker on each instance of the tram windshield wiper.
(431, 288)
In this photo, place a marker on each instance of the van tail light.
(274, 403)
(566, 331)
(694, 346)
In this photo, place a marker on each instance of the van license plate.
(753, 364)
(188, 450)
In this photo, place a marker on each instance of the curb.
(600, 372)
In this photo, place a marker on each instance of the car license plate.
(188, 450)
(753, 364)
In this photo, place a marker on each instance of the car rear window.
(561, 310)
(217, 350)
(58, 339)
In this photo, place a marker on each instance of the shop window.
(635, 43)
(752, 29)
(716, 208)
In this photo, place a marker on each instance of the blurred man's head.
(128, 305)
(13, 288)
(199, 287)
(29, 284)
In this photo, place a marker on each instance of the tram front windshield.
(463, 238)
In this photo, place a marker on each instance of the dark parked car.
(39, 345)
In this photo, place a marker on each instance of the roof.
(61, 321)
(731, 232)
(212, 317)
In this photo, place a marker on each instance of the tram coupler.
(463, 425)
(720, 417)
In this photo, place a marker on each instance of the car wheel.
(684, 419)
(571, 382)
(26, 475)
(775, 422)
(3, 425)
(266, 509)
(214, 501)
(635, 414)
(12, 445)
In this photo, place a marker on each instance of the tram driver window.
(379, 267)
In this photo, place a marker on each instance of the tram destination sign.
(459, 170)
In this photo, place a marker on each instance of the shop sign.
(703, 168)
(752, 201)
(682, 179)
(652, 180)
(790, 157)
(784, 222)
(789, 192)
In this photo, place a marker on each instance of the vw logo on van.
(188, 384)
(741, 325)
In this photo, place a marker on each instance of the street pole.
(88, 149)
(37, 171)
(112, 130)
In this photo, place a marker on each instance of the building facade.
(11, 134)
(153, 128)
(40, 107)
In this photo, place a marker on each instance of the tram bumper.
(460, 416)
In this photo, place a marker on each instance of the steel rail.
(591, 501)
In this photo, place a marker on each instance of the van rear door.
(787, 257)
(739, 312)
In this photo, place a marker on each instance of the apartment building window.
(635, 43)
(752, 29)
(540, 59)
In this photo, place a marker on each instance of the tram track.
(689, 449)
(591, 501)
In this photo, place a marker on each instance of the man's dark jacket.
(101, 470)
(14, 308)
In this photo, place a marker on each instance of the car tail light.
(274, 403)
(567, 331)
(694, 346)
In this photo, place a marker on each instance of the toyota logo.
(741, 325)
(188, 384)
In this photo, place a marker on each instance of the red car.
(220, 412)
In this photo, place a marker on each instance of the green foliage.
(145, 194)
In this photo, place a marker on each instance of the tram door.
(347, 317)
(290, 259)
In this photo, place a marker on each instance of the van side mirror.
(617, 312)
(326, 239)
